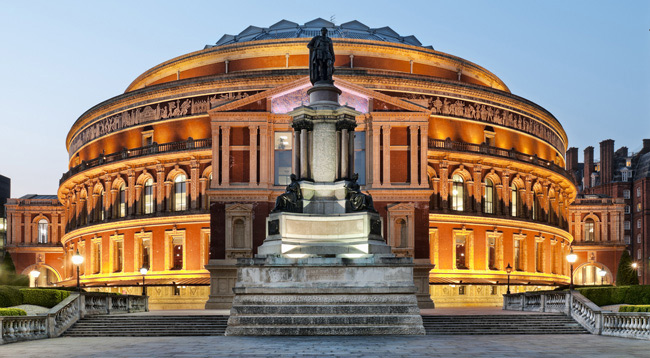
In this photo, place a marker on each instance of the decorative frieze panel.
(146, 114)
(451, 107)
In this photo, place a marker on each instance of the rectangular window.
(493, 290)
(145, 251)
(517, 255)
(148, 198)
(626, 194)
(627, 239)
(492, 251)
(97, 256)
(539, 256)
(360, 156)
(180, 195)
(122, 202)
(627, 209)
(638, 224)
(489, 199)
(626, 225)
(638, 192)
(638, 207)
(177, 252)
(118, 247)
(283, 146)
(460, 252)
(461, 290)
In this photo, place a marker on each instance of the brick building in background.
(620, 177)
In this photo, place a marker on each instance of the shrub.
(10, 296)
(626, 275)
(636, 308)
(43, 297)
(603, 296)
(12, 312)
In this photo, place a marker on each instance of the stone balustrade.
(585, 312)
(62, 316)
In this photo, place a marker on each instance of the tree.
(626, 274)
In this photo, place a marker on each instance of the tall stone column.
(130, 192)
(424, 147)
(265, 153)
(323, 167)
(225, 156)
(386, 158)
(194, 181)
(304, 154)
(253, 155)
(376, 155)
(344, 153)
(413, 150)
(351, 152)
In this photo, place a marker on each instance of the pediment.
(289, 96)
(243, 208)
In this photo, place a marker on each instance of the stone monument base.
(325, 296)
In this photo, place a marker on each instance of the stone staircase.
(501, 324)
(148, 326)
(321, 320)
(315, 315)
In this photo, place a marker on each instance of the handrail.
(582, 310)
(448, 144)
(154, 148)
(62, 316)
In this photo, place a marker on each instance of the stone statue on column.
(321, 58)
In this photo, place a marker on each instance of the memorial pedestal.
(325, 296)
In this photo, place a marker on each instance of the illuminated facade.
(181, 170)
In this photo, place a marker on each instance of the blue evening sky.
(587, 62)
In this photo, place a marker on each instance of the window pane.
(178, 257)
(460, 252)
(360, 156)
(282, 167)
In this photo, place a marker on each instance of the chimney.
(606, 161)
(646, 145)
(621, 152)
(589, 166)
(572, 159)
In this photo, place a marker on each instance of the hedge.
(43, 297)
(638, 308)
(12, 312)
(604, 296)
(10, 296)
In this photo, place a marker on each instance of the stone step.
(329, 330)
(323, 309)
(323, 320)
(331, 299)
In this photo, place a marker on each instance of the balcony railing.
(154, 148)
(450, 145)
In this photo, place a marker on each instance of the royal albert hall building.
(179, 173)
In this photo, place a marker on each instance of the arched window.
(122, 201)
(99, 206)
(42, 231)
(589, 230)
(147, 197)
(514, 200)
(457, 193)
(180, 193)
(488, 198)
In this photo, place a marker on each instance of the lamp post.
(508, 271)
(571, 258)
(602, 273)
(35, 273)
(77, 260)
(144, 271)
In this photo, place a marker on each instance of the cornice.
(137, 223)
(460, 220)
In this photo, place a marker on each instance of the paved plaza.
(391, 346)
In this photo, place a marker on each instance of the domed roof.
(287, 29)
